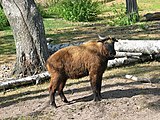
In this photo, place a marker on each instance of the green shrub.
(3, 20)
(47, 12)
(52, 10)
(121, 18)
(77, 10)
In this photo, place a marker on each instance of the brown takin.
(73, 62)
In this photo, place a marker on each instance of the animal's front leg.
(96, 91)
(99, 85)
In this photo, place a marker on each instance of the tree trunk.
(131, 6)
(132, 9)
(29, 36)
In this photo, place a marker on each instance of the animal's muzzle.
(112, 55)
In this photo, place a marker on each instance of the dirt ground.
(123, 99)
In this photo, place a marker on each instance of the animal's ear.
(114, 39)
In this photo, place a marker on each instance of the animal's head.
(109, 45)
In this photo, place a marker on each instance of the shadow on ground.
(122, 93)
(12, 99)
(145, 31)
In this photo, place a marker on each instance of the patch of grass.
(7, 45)
(83, 10)
(149, 5)
(120, 18)
(3, 21)
(59, 29)
(52, 24)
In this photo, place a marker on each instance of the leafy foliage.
(78, 10)
(42, 10)
(121, 18)
(3, 20)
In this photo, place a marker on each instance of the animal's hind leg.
(52, 90)
(60, 90)
(52, 98)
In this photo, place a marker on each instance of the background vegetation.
(104, 14)
(3, 20)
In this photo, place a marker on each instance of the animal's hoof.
(100, 97)
(97, 99)
(53, 104)
(65, 101)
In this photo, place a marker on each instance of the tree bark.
(131, 6)
(132, 9)
(29, 36)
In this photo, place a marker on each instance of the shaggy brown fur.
(90, 58)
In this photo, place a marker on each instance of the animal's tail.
(49, 66)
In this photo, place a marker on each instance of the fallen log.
(117, 62)
(127, 54)
(132, 46)
(143, 46)
(23, 81)
(53, 48)
(138, 79)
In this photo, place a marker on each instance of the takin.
(90, 58)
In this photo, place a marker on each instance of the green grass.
(7, 44)
(149, 5)
(52, 24)
(61, 30)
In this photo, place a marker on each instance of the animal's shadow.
(121, 93)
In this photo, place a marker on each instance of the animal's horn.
(102, 38)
